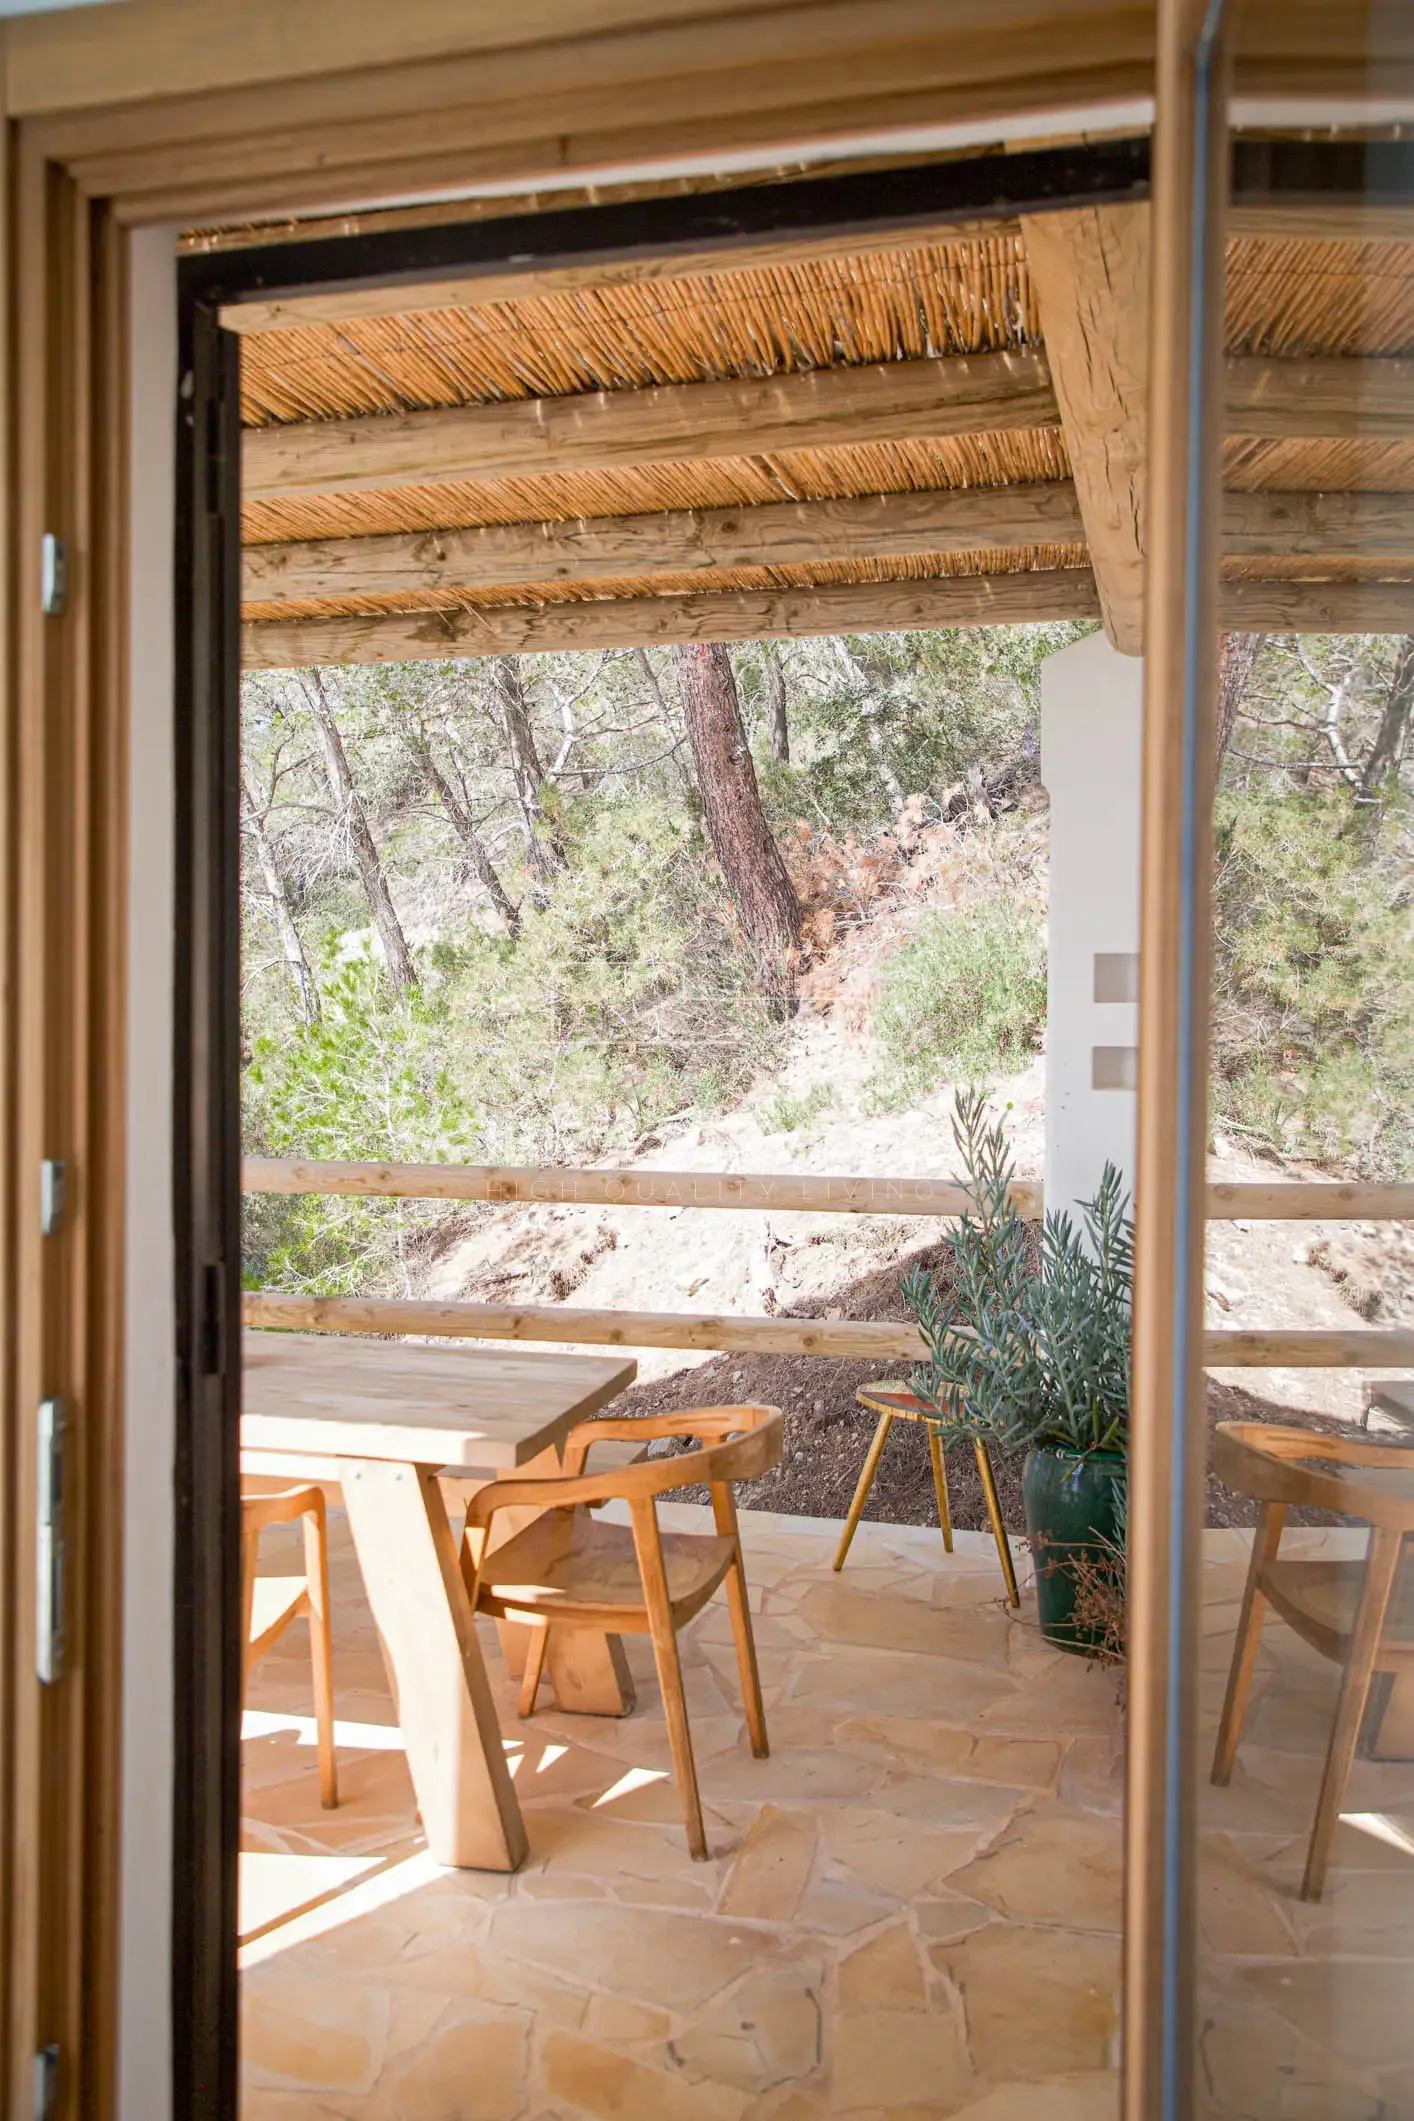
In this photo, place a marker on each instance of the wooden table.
(387, 1424)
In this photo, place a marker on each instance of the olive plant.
(1029, 1342)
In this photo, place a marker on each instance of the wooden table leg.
(448, 1719)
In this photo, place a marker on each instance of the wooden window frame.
(72, 182)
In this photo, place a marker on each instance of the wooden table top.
(477, 1408)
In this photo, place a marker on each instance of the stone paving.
(911, 1909)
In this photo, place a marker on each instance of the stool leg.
(866, 1482)
(994, 1512)
(940, 1486)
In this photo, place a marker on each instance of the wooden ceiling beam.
(1320, 399)
(1285, 606)
(599, 548)
(1270, 525)
(633, 622)
(1090, 269)
(681, 422)
(1258, 525)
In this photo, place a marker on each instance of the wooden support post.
(445, 1711)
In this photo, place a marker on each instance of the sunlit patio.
(911, 1909)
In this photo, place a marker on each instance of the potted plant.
(1029, 1350)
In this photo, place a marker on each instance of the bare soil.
(827, 1432)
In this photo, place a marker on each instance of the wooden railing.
(875, 1340)
(1361, 1348)
(1296, 1200)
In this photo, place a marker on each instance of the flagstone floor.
(911, 1909)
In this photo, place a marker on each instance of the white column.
(1091, 720)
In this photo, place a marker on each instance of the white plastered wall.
(1091, 724)
(144, 2061)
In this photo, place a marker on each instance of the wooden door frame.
(63, 872)
(74, 180)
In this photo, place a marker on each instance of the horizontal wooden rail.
(1296, 1200)
(1363, 1348)
(624, 1189)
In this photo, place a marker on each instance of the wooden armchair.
(568, 1570)
(1358, 1613)
(270, 1603)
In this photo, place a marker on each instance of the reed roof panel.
(1017, 457)
(946, 298)
(1350, 466)
(1302, 296)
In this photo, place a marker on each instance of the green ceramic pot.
(1070, 1505)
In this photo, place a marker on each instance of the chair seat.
(1318, 1599)
(571, 1567)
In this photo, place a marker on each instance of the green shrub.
(964, 998)
(786, 1114)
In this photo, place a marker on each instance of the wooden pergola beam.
(888, 401)
(1020, 599)
(1320, 399)
(1260, 525)
(599, 548)
(1090, 269)
(631, 622)
(1284, 606)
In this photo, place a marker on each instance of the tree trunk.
(290, 944)
(1393, 733)
(750, 860)
(527, 773)
(473, 845)
(354, 820)
(1237, 655)
(777, 721)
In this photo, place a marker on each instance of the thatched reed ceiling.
(1289, 299)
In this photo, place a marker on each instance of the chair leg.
(724, 1512)
(250, 1549)
(998, 1522)
(866, 1482)
(1380, 1568)
(1249, 1635)
(321, 1649)
(665, 1656)
(940, 1485)
(534, 1666)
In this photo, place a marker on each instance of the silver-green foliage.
(1028, 1344)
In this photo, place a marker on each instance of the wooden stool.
(892, 1401)
(270, 1603)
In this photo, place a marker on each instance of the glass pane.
(1306, 1881)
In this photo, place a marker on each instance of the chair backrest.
(1272, 1464)
(739, 1443)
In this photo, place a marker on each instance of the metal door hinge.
(51, 1194)
(49, 1544)
(46, 2082)
(53, 575)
